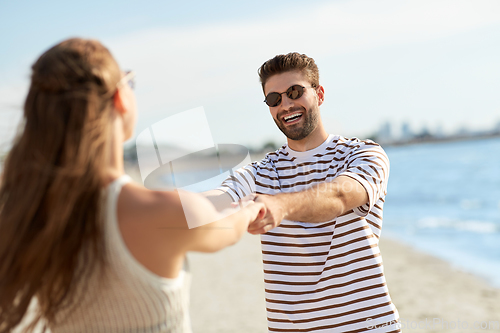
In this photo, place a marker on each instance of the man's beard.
(298, 132)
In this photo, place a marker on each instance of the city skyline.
(389, 133)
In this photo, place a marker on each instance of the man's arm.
(320, 203)
(239, 185)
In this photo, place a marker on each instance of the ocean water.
(444, 199)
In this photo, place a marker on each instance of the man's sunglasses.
(294, 92)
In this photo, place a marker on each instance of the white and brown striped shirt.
(323, 277)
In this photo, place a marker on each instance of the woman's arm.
(208, 230)
(157, 221)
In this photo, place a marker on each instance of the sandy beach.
(424, 287)
(227, 293)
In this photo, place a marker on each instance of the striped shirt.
(323, 277)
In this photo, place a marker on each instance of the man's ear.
(118, 102)
(321, 94)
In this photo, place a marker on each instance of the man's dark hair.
(292, 61)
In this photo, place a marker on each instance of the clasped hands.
(275, 212)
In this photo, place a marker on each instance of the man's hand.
(319, 203)
(275, 213)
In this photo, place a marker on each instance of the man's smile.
(292, 117)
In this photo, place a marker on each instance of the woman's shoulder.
(139, 204)
(152, 226)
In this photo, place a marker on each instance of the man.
(324, 197)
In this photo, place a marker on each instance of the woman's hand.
(256, 210)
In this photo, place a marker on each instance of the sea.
(444, 199)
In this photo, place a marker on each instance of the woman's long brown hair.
(50, 195)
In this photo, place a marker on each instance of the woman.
(96, 251)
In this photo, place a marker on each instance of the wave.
(480, 227)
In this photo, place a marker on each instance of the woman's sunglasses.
(128, 78)
(294, 92)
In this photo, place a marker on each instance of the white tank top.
(129, 297)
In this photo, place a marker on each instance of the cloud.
(323, 30)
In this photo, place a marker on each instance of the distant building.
(439, 131)
(496, 129)
(463, 131)
(424, 134)
(406, 132)
(385, 132)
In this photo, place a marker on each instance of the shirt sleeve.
(369, 165)
(241, 182)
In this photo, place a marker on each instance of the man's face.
(302, 114)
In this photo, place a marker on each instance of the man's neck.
(313, 140)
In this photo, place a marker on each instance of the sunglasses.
(128, 78)
(294, 92)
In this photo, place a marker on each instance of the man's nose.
(286, 102)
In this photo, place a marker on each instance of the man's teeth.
(292, 116)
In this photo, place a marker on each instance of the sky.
(431, 63)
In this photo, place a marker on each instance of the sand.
(227, 293)
(424, 287)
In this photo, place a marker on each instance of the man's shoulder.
(349, 145)
(273, 156)
(354, 142)
(265, 163)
